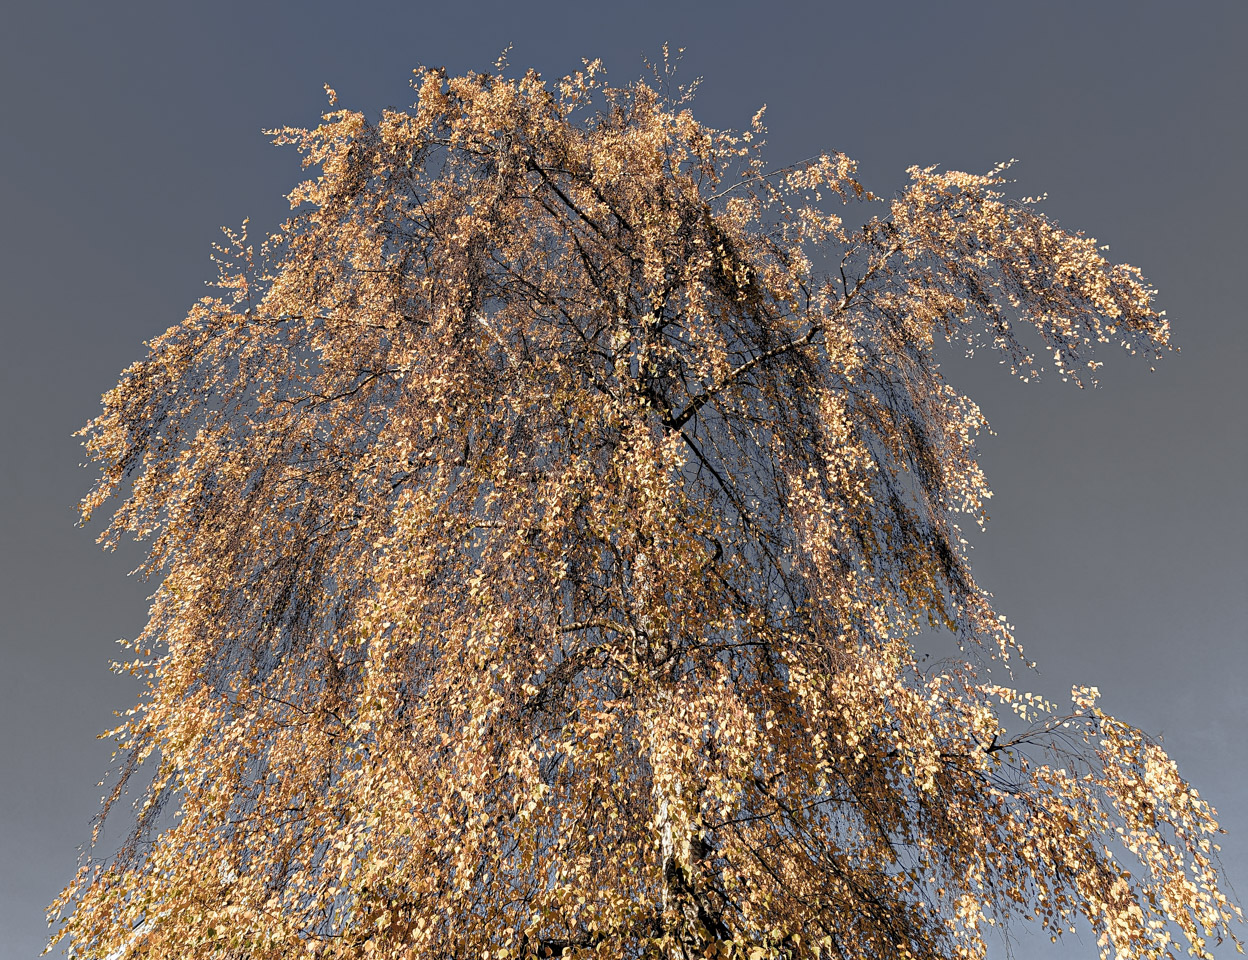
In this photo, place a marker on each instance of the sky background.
(132, 132)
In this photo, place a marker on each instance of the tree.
(546, 518)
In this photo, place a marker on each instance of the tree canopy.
(545, 519)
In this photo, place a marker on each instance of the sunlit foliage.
(545, 518)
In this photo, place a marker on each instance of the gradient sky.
(1117, 546)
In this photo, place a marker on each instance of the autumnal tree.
(545, 519)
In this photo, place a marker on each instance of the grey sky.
(131, 133)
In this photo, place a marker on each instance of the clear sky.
(1117, 546)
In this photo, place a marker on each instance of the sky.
(1117, 545)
